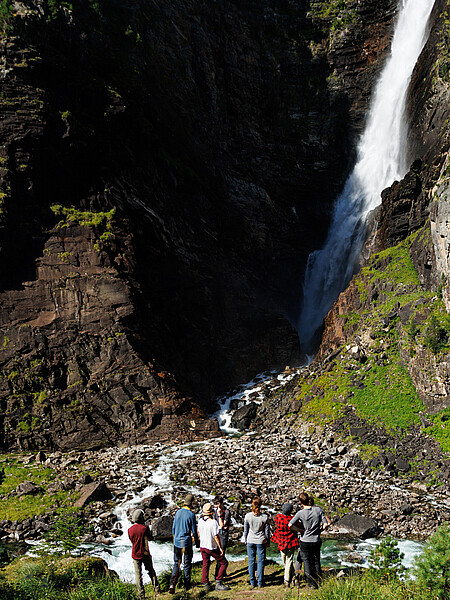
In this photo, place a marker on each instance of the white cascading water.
(381, 159)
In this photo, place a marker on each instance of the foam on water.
(253, 391)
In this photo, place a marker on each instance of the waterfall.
(381, 159)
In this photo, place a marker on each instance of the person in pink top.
(140, 535)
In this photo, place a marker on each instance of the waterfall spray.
(381, 159)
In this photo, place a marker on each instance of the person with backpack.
(313, 519)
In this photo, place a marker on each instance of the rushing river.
(335, 553)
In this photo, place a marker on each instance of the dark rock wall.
(220, 132)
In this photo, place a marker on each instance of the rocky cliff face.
(219, 133)
(382, 373)
(418, 201)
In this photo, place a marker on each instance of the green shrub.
(432, 567)
(386, 560)
(437, 334)
(64, 535)
(5, 15)
(33, 581)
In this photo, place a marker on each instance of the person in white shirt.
(210, 547)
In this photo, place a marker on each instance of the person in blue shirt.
(184, 529)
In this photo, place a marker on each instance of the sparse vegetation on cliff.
(337, 14)
(5, 15)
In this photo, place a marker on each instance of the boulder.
(40, 457)
(402, 464)
(358, 526)
(94, 491)
(161, 528)
(354, 557)
(27, 488)
(242, 418)
(156, 501)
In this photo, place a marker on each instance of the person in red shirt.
(286, 540)
(140, 535)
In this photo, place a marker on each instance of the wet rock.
(354, 557)
(161, 527)
(242, 417)
(152, 502)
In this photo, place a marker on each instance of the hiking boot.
(221, 587)
(207, 587)
(172, 589)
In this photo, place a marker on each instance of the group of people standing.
(297, 536)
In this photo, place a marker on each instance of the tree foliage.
(386, 560)
(432, 567)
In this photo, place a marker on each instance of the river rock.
(152, 502)
(358, 525)
(161, 527)
(242, 418)
(354, 557)
(94, 491)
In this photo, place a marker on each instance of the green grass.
(396, 265)
(440, 430)
(390, 397)
(39, 579)
(20, 508)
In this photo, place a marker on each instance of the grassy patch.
(73, 216)
(369, 451)
(440, 430)
(23, 507)
(337, 14)
(389, 397)
(393, 264)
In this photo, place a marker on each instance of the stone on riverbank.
(161, 528)
(358, 526)
(94, 491)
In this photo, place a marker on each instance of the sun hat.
(208, 509)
